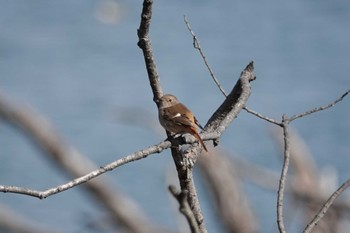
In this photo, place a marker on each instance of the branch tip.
(250, 66)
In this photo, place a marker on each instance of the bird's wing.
(182, 119)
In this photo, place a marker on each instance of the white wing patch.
(177, 115)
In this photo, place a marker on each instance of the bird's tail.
(196, 135)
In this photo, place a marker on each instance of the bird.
(176, 118)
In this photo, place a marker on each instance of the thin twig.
(74, 164)
(326, 206)
(197, 46)
(41, 131)
(319, 108)
(262, 117)
(285, 123)
(93, 174)
(43, 134)
(282, 182)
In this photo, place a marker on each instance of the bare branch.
(234, 102)
(285, 123)
(197, 46)
(268, 119)
(184, 174)
(76, 165)
(228, 110)
(280, 194)
(145, 44)
(319, 108)
(220, 120)
(93, 174)
(326, 206)
(186, 181)
(182, 198)
(43, 133)
(305, 173)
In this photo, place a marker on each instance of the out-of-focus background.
(78, 64)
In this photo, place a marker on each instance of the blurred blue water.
(78, 71)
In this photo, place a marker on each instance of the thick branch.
(146, 46)
(218, 123)
(234, 102)
(196, 45)
(228, 110)
(184, 174)
(220, 120)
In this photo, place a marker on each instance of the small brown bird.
(177, 118)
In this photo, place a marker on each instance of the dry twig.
(76, 165)
(231, 107)
(285, 123)
(197, 46)
(326, 206)
(319, 108)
